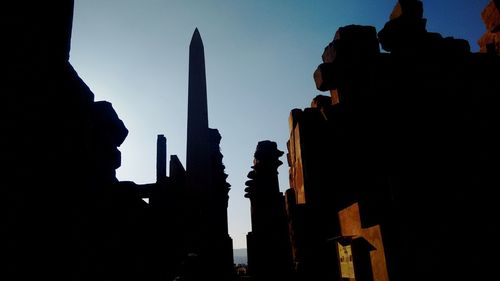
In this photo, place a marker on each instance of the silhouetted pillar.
(269, 250)
(207, 189)
(161, 158)
(197, 155)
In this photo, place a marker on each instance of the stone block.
(351, 44)
(329, 53)
(488, 42)
(491, 15)
(356, 33)
(408, 8)
(294, 118)
(402, 33)
(321, 101)
(325, 77)
(352, 40)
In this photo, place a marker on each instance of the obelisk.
(207, 189)
(198, 147)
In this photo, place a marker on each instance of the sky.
(260, 56)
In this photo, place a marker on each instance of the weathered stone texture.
(491, 16)
(408, 136)
(490, 41)
(351, 225)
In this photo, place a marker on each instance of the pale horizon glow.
(260, 58)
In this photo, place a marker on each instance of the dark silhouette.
(402, 154)
(65, 216)
(189, 207)
(268, 247)
(392, 176)
(205, 177)
(394, 172)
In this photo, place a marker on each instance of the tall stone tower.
(207, 189)
(197, 155)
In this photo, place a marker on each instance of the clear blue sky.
(260, 58)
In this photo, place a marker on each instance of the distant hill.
(240, 256)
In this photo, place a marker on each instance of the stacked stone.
(406, 33)
(490, 41)
(406, 28)
(269, 255)
(352, 43)
(265, 170)
(352, 46)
